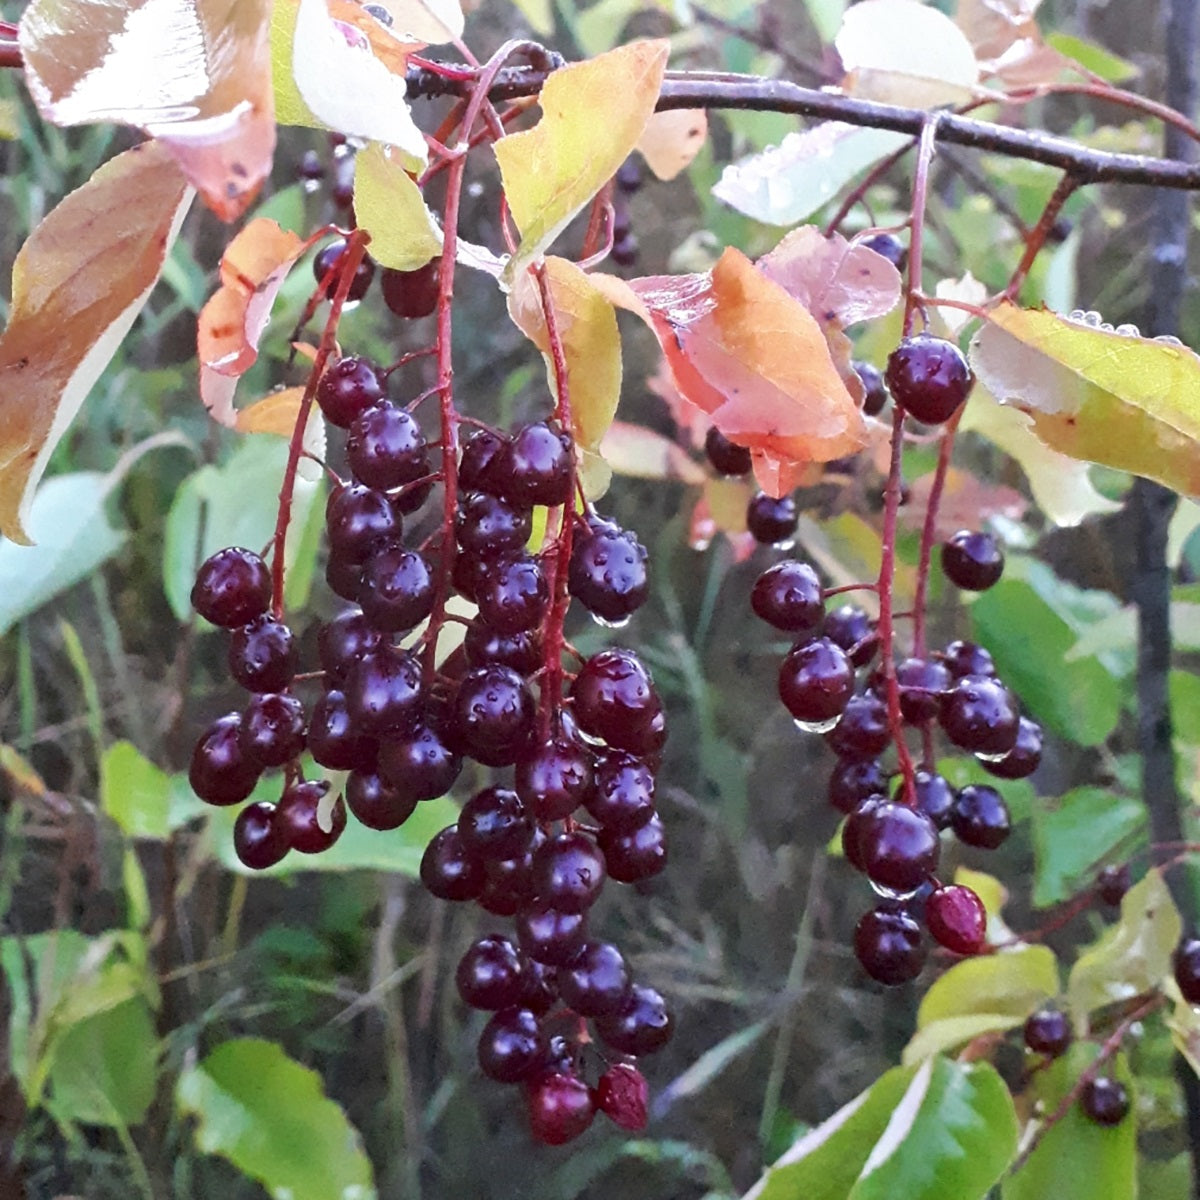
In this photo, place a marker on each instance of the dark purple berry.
(788, 596)
(1105, 1101)
(636, 854)
(220, 773)
(568, 872)
(980, 817)
(979, 714)
(494, 824)
(329, 258)
(549, 935)
(262, 655)
(333, 739)
(922, 682)
(489, 974)
(485, 646)
(360, 521)
(555, 780)
(1112, 883)
(874, 389)
(850, 628)
(386, 448)
(419, 765)
(972, 560)
(258, 839)
(816, 680)
(890, 246)
(511, 1046)
(1048, 1032)
(852, 782)
(642, 1025)
(772, 520)
(887, 944)
(512, 594)
(967, 658)
(535, 467)
(596, 981)
(956, 918)
(1024, 758)
(727, 458)
(928, 377)
(375, 804)
(272, 729)
(448, 871)
(1187, 969)
(622, 794)
(481, 452)
(614, 699)
(864, 731)
(232, 587)
(898, 847)
(935, 796)
(384, 692)
(345, 639)
(397, 590)
(299, 817)
(411, 294)
(487, 524)
(560, 1108)
(349, 387)
(493, 715)
(607, 574)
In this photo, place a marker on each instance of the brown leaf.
(79, 282)
(196, 74)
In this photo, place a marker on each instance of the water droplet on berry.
(620, 623)
(786, 544)
(817, 726)
(892, 893)
(992, 758)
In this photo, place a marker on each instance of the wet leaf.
(786, 184)
(905, 52)
(85, 272)
(1010, 983)
(672, 139)
(390, 207)
(195, 74)
(1125, 401)
(253, 269)
(635, 450)
(551, 171)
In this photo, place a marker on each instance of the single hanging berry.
(972, 560)
(928, 377)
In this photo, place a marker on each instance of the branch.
(702, 89)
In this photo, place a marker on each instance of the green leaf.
(1078, 700)
(268, 1116)
(1093, 58)
(236, 505)
(73, 537)
(142, 799)
(389, 206)
(1075, 833)
(1010, 982)
(950, 1032)
(1132, 956)
(1076, 1158)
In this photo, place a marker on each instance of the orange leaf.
(78, 284)
(196, 74)
(277, 414)
(253, 269)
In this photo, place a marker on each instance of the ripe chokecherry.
(347, 389)
(726, 457)
(928, 377)
(980, 817)
(788, 596)
(607, 574)
(262, 655)
(299, 818)
(1104, 1101)
(772, 520)
(259, 840)
(1048, 1032)
(561, 1107)
(956, 918)
(816, 680)
(411, 294)
(642, 1025)
(232, 587)
(887, 944)
(972, 560)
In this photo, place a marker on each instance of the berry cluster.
(1102, 1099)
(892, 834)
(770, 520)
(402, 729)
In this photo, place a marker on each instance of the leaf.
(1074, 834)
(1061, 485)
(903, 52)
(1184, 1023)
(141, 798)
(644, 454)
(73, 536)
(1093, 58)
(193, 74)
(253, 269)
(551, 171)
(1130, 957)
(672, 139)
(787, 183)
(430, 21)
(1011, 982)
(269, 1117)
(1077, 1159)
(85, 272)
(591, 343)
(946, 1034)
(347, 85)
(1125, 401)
(539, 14)
(390, 207)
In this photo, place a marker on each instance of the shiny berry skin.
(979, 714)
(898, 847)
(485, 646)
(568, 872)
(771, 521)
(374, 803)
(386, 448)
(622, 793)
(297, 816)
(863, 732)
(489, 974)
(850, 628)
(259, 840)
(549, 935)
(333, 739)
(418, 765)
(343, 578)
(384, 692)
(922, 683)
(482, 451)
(854, 826)
(348, 388)
(928, 377)
(509, 883)
(596, 981)
(487, 524)
(614, 699)
(262, 655)
(935, 796)
(1024, 758)
(359, 522)
(541, 987)
(888, 946)
(397, 590)
(1048, 1032)
(623, 1096)
(980, 817)
(1187, 969)
(890, 246)
(220, 772)
(555, 780)
(726, 457)
(272, 731)
(448, 871)
(874, 389)
(642, 1025)
(232, 587)
(1112, 883)
(493, 715)
(967, 658)
(511, 1046)
(956, 918)
(560, 1108)
(636, 854)
(1104, 1101)
(327, 260)
(607, 574)
(788, 597)
(972, 560)
(534, 467)
(411, 294)
(512, 594)
(816, 681)
(852, 782)
(494, 824)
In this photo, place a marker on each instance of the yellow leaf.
(587, 327)
(195, 74)
(390, 207)
(1095, 394)
(593, 114)
(672, 139)
(277, 414)
(79, 282)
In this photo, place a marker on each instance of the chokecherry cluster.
(580, 749)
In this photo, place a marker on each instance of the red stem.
(928, 530)
(916, 250)
(1040, 232)
(10, 52)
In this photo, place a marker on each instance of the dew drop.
(786, 544)
(891, 893)
(817, 726)
(992, 758)
(619, 623)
